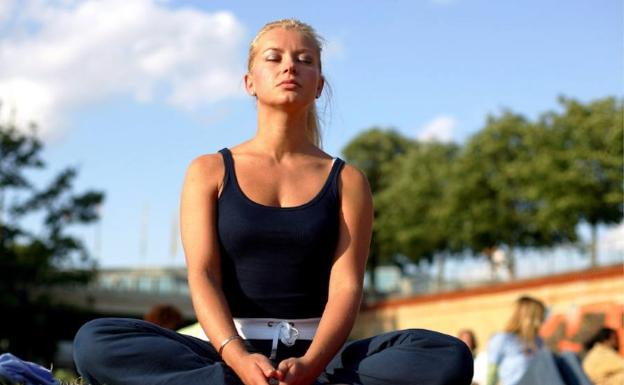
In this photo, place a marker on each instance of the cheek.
(263, 77)
(315, 77)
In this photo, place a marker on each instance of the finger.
(257, 377)
(278, 375)
(267, 368)
(284, 365)
(289, 368)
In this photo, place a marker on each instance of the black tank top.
(275, 261)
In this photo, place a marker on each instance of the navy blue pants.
(116, 351)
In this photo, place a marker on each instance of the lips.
(289, 83)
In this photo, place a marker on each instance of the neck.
(281, 132)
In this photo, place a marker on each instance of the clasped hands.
(256, 369)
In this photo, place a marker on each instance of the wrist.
(227, 341)
(313, 365)
(232, 353)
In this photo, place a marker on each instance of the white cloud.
(333, 49)
(6, 8)
(59, 56)
(440, 129)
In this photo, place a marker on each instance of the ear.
(249, 87)
(319, 88)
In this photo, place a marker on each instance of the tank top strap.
(229, 166)
(333, 176)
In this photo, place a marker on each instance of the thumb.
(266, 368)
(284, 366)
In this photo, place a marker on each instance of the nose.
(289, 65)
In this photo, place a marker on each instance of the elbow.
(351, 291)
(198, 275)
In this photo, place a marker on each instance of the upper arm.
(355, 227)
(495, 348)
(198, 214)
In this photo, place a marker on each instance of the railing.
(467, 272)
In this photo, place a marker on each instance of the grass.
(64, 377)
(76, 381)
(67, 377)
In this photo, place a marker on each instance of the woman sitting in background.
(603, 364)
(511, 352)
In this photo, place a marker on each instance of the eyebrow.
(305, 50)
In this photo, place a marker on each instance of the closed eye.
(306, 59)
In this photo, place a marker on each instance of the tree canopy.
(514, 184)
(33, 261)
(374, 152)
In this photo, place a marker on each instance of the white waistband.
(265, 328)
(288, 331)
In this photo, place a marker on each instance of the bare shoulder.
(205, 171)
(354, 183)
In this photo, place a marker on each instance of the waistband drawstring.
(285, 332)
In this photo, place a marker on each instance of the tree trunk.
(511, 264)
(593, 252)
(489, 254)
(440, 260)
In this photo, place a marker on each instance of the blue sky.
(132, 91)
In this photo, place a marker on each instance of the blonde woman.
(276, 235)
(511, 352)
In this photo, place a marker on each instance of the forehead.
(286, 39)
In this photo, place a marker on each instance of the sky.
(130, 91)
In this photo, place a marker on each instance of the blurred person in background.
(602, 363)
(480, 359)
(166, 316)
(469, 339)
(510, 352)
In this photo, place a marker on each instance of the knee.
(90, 342)
(460, 363)
(453, 357)
(85, 344)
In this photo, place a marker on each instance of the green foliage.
(412, 218)
(582, 174)
(491, 206)
(374, 151)
(32, 263)
(515, 184)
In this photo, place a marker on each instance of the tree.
(412, 208)
(373, 152)
(32, 262)
(489, 202)
(582, 175)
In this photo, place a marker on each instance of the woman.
(276, 235)
(510, 352)
(602, 363)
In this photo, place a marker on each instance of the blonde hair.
(313, 132)
(526, 320)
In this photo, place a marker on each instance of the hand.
(296, 371)
(255, 369)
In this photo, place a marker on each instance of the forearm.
(492, 375)
(213, 314)
(335, 325)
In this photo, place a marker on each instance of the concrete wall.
(578, 304)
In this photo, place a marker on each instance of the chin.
(291, 103)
